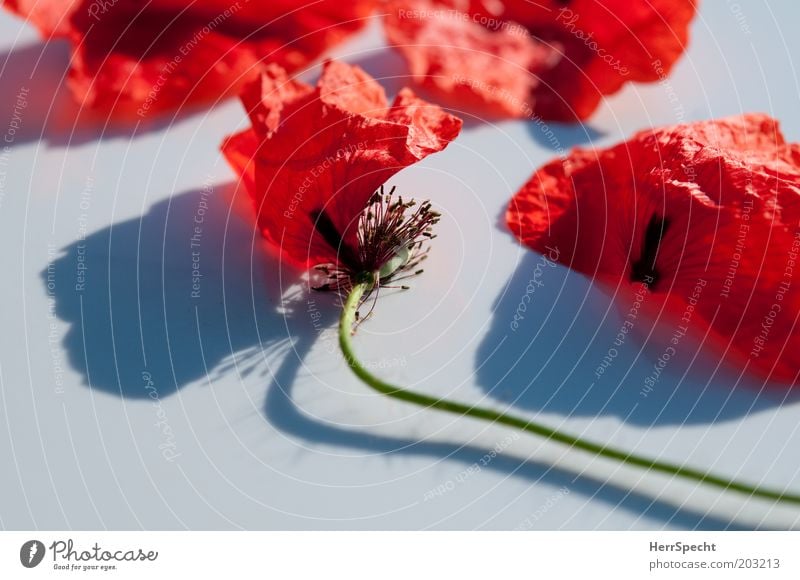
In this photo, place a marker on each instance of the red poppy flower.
(315, 157)
(135, 58)
(551, 58)
(705, 215)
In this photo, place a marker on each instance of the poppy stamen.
(391, 239)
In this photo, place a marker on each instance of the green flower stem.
(345, 342)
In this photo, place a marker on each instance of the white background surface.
(271, 429)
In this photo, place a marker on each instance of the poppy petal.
(552, 59)
(318, 154)
(714, 203)
(131, 59)
(462, 62)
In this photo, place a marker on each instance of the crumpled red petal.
(50, 18)
(552, 59)
(327, 149)
(727, 194)
(133, 59)
(460, 60)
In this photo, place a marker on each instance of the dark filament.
(644, 269)
(387, 226)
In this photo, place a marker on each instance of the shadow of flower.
(554, 346)
(164, 301)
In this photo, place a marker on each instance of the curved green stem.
(345, 332)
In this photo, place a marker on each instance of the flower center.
(390, 239)
(400, 259)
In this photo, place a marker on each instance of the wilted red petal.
(51, 18)
(603, 45)
(328, 149)
(132, 58)
(460, 60)
(265, 98)
(714, 203)
(475, 53)
(240, 151)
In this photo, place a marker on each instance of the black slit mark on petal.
(327, 229)
(644, 269)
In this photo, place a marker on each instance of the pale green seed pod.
(400, 259)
